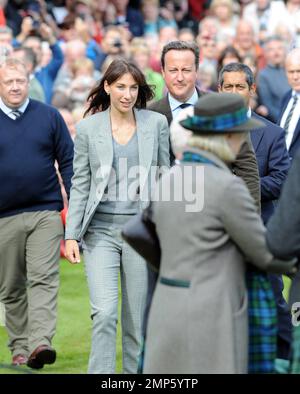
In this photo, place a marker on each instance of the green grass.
(73, 335)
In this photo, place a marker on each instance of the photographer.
(33, 33)
(114, 43)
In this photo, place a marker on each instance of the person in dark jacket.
(283, 239)
(273, 164)
(180, 61)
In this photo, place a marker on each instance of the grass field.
(73, 337)
(72, 341)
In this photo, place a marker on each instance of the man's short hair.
(28, 55)
(13, 63)
(180, 46)
(272, 38)
(237, 67)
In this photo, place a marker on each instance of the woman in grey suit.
(198, 320)
(119, 150)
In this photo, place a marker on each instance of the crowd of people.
(98, 100)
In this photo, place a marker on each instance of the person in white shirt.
(290, 110)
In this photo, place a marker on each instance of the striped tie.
(290, 114)
(16, 113)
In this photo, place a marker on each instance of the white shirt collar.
(174, 104)
(249, 113)
(7, 110)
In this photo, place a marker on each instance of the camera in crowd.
(117, 43)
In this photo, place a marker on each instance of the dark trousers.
(284, 337)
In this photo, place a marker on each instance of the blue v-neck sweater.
(29, 147)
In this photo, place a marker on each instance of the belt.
(174, 282)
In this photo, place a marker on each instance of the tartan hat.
(220, 113)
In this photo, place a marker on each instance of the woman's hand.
(72, 251)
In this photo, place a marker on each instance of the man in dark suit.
(289, 118)
(180, 62)
(283, 238)
(273, 164)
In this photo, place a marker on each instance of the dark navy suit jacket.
(296, 138)
(273, 163)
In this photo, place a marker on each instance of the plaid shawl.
(295, 367)
(262, 316)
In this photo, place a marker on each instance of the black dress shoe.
(41, 355)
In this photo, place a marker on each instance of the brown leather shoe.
(19, 359)
(41, 355)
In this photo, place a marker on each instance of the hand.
(43, 7)
(280, 266)
(72, 251)
(294, 270)
(262, 110)
(47, 33)
(26, 28)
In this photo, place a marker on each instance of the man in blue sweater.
(32, 137)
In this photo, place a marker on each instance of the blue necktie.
(184, 105)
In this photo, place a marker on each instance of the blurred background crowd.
(68, 44)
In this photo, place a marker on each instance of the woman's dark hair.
(229, 50)
(99, 100)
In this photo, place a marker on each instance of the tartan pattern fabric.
(218, 122)
(262, 317)
(196, 157)
(295, 367)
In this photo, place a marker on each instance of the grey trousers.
(29, 277)
(106, 255)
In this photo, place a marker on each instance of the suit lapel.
(102, 138)
(284, 104)
(166, 109)
(257, 134)
(296, 134)
(145, 145)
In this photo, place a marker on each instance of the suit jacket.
(203, 262)
(93, 162)
(283, 235)
(273, 163)
(296, 137)
(245, 165)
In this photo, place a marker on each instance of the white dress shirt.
(294, 120)
(9, 111)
